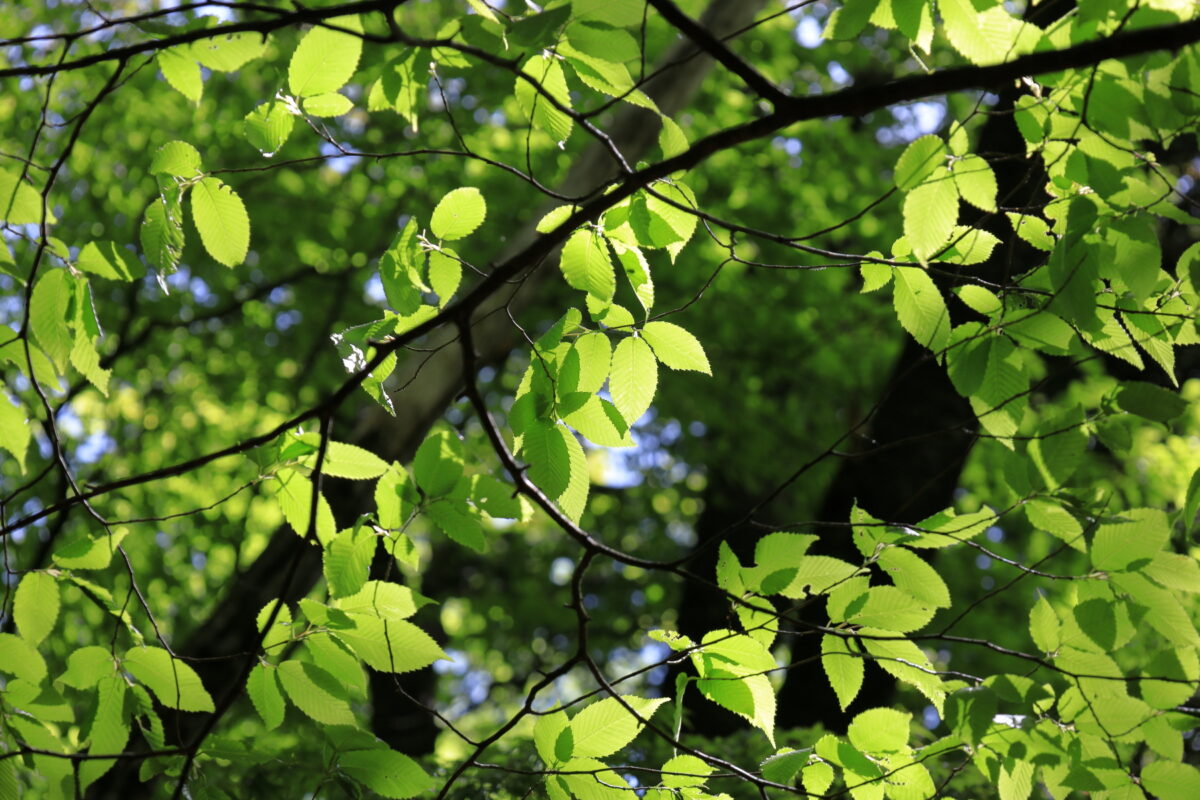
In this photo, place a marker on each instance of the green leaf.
(14, 429)
(548, 731)
(880, 730)
(849, 20)
(783, 766)
(390, 645)
(1150, 401)
(979, 299)
(384, 599)
(181, 71)
(984, 38)
(685, 770)
(174, 682)
(176, 158)
(48, 309)
(544, 447)
(891, 609)
(86, 666)
(675, 347)
(35, 607)
(86, 552)
(1171, 781)
(325, 59)
(229, 51)
(266, 694)
(109, 260)
(930, 211)
(586, 265)
(975, 181)
(18, 657)
(220, 217)
(591, 359)
(268, 127)
(843, 667)
(458, 214)
(921, 308)
(1044, 626)
(315, 692)
(161, 235)
(634, 378)
(535, 29)
(350, 461)
(546, 72)
(875, 276)
(604, 727)
(914, 575)
(918, 161)
(330, 104)
(445, 274)
(385, 772)
(20, 203)
(109, 730)
(347, 560)
(294, 494)
(1133, 543)
(459, 522)
(438, 464)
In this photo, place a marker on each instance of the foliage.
(385, 381)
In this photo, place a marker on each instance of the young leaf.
(586, 265)
(176, 158)
(268, 126)
(930, 211)
(676, 347)
(843, 667)
(546, 72)
(330, 104)
(18, 657)
(350, 461)
(265, 693)
(438, 463)
(918, 161)
(604, 727)
(390, 645)
(921, 309)
(221, 219)
(325, 59)
(35, 607)
(458, 214)
(634, 378)
(174, 682)
(975, 181)
(315, 692)
(880, 730)
(181, 71)
(385, 772)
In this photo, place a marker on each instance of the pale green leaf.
(445, 274)
(918, 161)
(266, 694)
(220, 217)
(230, 51)
(325, 59)
(843, 667)
(181, 71)
(1044, 626)
(86, 666)
(921, 308)
(438, 463)
(315, 692)
(685, 770)
(547, 733)
(350, 461)
(268, 126)
(634, 378)
(174, 682)
(914, 575)
(48, 308)
(606, 726)
(1133, 543)
(385, 772)
(347, 560)
(35, 607)
(979, 299)
(975, 181)
(676, 347)
(18, 657)
(176, 158)
(930, 211)
(880, 730)
(458, 214)
(458, 521)
(586, 265)
(390, 645)
(20, 203)
(110, 260)
(1171, 780)
(384, 599)
(14, 429)
(294, 494)
(548, 74)
(109, 729)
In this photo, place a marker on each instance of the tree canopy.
(599, 399)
